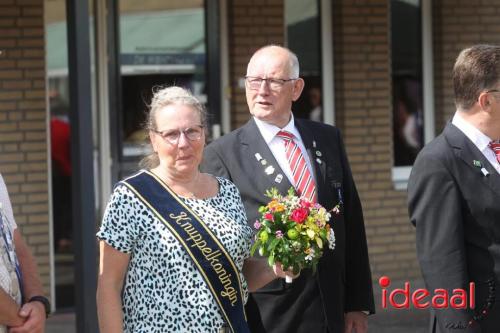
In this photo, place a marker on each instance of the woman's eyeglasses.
(193, 133)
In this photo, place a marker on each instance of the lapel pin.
(279, 178)
(269, 170)
(258, 157)
(318, 153)
(314, 144)
(319, 161)
(478, 164)
(263, 162)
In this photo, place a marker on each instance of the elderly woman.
(174, 240)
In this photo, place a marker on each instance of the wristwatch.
(44, 300)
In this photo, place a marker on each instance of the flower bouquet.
(293, 231)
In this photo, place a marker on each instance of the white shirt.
(478, 138)
(277, 145)
(5, 203)
(8, 277)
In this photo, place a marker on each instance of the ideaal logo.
(421, 298)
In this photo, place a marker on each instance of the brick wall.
(363, 111)
(23, 133)
(252, 24)
(457, 25)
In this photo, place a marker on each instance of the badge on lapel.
(478, 164)
(318, 153)
(268, 169)
(279, 178)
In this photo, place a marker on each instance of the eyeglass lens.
(191, 133)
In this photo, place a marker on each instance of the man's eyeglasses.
(492, 91)
(172, 136)
(254, 83)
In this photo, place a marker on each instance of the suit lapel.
(260, 156)
(468, 153)
(317, 162)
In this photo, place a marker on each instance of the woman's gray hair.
(163, 97)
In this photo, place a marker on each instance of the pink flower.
(269, 216)
(299, 215)
(336, 210)
(305, 203)
(279, 234)
(257, 224)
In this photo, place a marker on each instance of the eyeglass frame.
(179, 132)
(268, 81)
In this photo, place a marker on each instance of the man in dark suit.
(454, 197)
(254, 157)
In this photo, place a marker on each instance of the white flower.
(310, 256)
(331, 240)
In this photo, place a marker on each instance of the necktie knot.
(495, 146)
(285, 135)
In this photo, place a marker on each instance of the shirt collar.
(269, 131)
(477, 137)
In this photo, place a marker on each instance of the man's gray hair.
(294, 66)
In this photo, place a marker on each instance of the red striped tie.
(495, 146)
(304, 182)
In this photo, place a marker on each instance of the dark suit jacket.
(456, 210)
(343, 281)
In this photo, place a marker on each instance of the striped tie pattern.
(495, 146)
(304, 182)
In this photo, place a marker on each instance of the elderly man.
(18, 277)
(454, 197)
(255, 157)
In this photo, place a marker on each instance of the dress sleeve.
(6, 205)
(235, 198)
(120, 226)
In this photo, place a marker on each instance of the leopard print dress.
(163, 290)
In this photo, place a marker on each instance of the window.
(412, 100)
(161, 43)
(406, 50)
(303, 36)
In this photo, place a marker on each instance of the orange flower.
(276, 206)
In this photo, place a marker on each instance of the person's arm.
(9, 310)
(435, 208)
(32, 312)
(112, 269)
(359, 300)
(258, 273)
(31, 279)
(358, 288)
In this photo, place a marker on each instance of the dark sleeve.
(213, 163)
(359, 289)
(434, 204)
